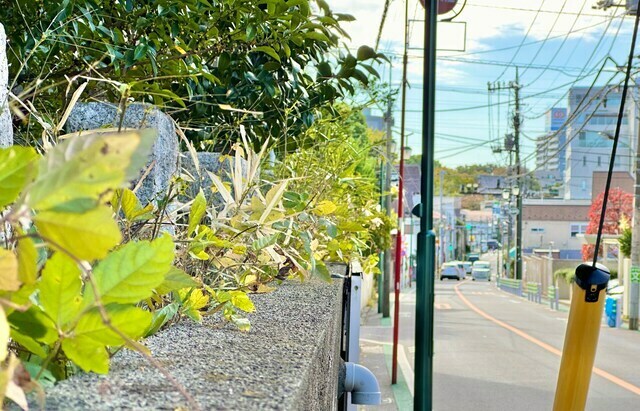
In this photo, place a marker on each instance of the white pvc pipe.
(362, 385)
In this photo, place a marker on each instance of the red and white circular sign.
(444, 6)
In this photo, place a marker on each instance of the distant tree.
(619, 208)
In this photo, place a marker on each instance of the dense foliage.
(270, 65)
(619, 209)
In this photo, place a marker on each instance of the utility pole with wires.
(513, 144)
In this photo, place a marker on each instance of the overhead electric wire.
(591, 56)
(564, 40)
(535, 56)
(523, 40)
(607, 186)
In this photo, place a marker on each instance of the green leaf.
(35, 324)
(324, 69)
(130, 205)
(87, 236)
(264, 242)
(76, 206)
(87, 354)
(198, 210)
(175, 280)
(140, 51)
(60, 289)
(243, 324)
(193, 301)
(322, 271)
(161, 317)
(17, 168)
(267, 50)
(242, 301)
(88, 166)
(9, 277)
(130, 273)
(28, 343)
(366, 53)
(129, 320)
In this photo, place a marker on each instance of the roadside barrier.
(534, 292)
(552, 295)
(510, 285)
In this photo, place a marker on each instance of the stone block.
(88, 116)
(289, 360)
(6, 127)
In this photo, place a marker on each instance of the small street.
(496, 351)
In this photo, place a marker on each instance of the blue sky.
(556, 43)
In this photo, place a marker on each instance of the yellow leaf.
(8, 271)
(27, 260)
(87, 236)
(325, 207)
(4, 335)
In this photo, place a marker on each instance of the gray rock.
(6, 128)
(88, 116)
(289, 360)
(208, 162)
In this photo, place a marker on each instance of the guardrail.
(534, 292)
(510, 285)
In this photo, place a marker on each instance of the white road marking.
(403, 362)
(515, 302)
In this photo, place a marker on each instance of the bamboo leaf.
(198, 210)
(273, 198)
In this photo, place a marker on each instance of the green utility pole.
(386, 279)
(423, 388)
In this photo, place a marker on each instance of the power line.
(523, 40)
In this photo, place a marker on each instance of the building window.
(537, 230)
(584, 161)
(578, 228)
(599, 161)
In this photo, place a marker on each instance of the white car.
(452, 270)
(481, 270)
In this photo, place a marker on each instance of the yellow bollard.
(581, 339)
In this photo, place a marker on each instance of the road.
(496, 351)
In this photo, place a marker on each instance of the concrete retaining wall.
(288, 361)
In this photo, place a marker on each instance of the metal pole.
(516, 132)
(426, 251)
(382, 253)
(399, 235)
(441, 228)
(387, 255)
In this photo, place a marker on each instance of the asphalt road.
(495, 351)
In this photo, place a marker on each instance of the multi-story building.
(550, 154)
(591, 123)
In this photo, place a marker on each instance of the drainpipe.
(362, 385)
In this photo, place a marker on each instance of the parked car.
(452, 271)
(614, 287)
(467, 266)
(481, 270)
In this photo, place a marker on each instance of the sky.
(554, 43)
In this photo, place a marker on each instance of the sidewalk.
(375, 354)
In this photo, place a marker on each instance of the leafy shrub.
(567, 274)
(70, 293)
